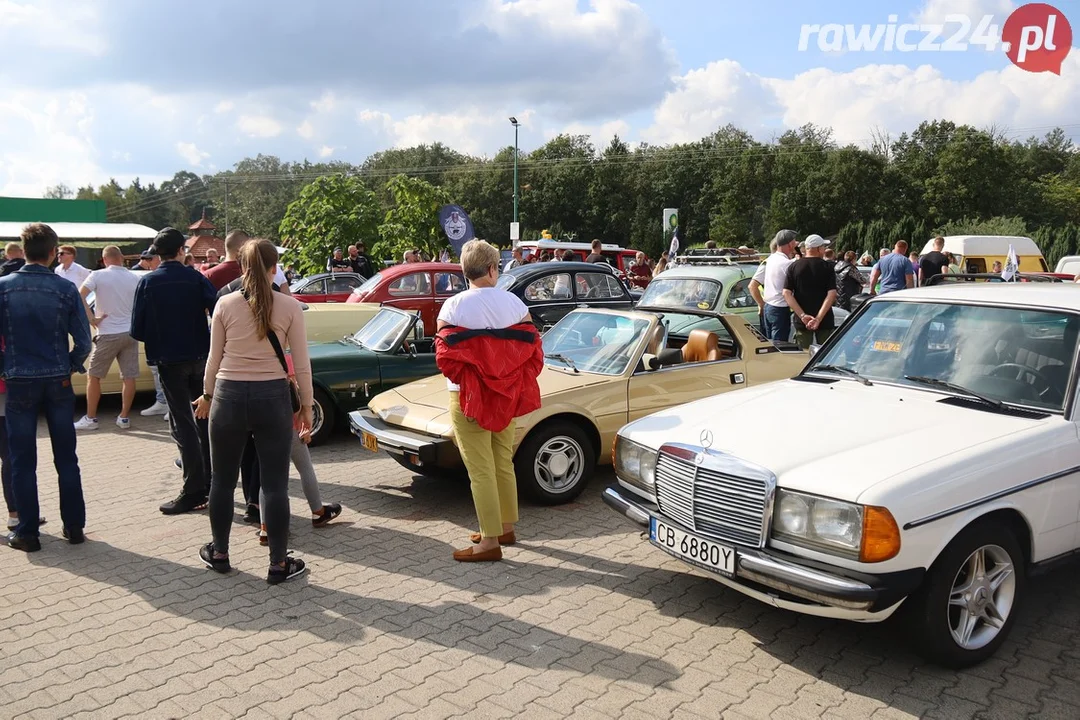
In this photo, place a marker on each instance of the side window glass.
(340, 285)
(739, 295)
(449, 283)
(316, 288)
(597, 286)
(414, 284)
(552, 287)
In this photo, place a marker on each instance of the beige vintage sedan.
(324, 321)
(603, 368)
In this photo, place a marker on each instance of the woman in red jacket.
(490, 352)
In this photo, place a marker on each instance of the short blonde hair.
(477, 258)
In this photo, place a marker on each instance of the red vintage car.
(416, 287)
(326, 287)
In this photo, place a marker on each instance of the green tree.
(333, 211)
(991, 226)
(413, 220)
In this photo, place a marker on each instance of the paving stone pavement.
(582, 619)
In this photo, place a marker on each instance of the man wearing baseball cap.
(337, 263)
(810, 291)
(770, 275)
(170, 317)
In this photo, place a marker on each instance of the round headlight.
(837, 522)
(792, 515)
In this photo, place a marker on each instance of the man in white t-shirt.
(114, 295)
(770, 275)
(68, 268)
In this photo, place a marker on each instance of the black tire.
(537, 486)
(931, 614)
(323, 416)
(433, 472)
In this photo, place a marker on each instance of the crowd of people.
(801, 283)
(237, 405)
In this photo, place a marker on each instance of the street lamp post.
(516, 124)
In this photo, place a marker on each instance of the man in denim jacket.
(169, 317)
(39, 311)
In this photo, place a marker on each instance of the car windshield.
(700, 293)
(1007, 355)
(594, 342)
(384, 331)
(370, 284)
(682, 324)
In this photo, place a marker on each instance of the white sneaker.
(87, 423)
(123, 423)
(156, 409)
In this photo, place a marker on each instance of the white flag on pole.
(674, 248)
(1012, 265)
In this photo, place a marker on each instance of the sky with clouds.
(93, 89)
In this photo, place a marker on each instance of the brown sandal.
(507, 539)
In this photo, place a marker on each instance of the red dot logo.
(1037, 38)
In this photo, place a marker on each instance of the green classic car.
(390, 350)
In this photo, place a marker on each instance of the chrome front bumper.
(869, 598)
(418, 448)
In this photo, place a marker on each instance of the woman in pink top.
(246, 391)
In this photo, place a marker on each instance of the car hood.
(837, 439)
(321, 352)
(422, 405)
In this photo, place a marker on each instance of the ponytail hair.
(257, 257)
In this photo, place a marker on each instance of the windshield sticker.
(887, 346)
(703, 305)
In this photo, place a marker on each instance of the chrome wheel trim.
(982, 597)
(559, 464)
(317, 417)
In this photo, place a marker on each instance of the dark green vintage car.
(390, 350)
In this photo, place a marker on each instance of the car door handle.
(583, 305)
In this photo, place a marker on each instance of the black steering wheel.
(1015, 371)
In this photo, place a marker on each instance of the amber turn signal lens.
(880, 535)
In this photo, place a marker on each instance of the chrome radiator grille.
(714, 494)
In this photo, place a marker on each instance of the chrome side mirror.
(814, 350)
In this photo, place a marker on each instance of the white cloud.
(306, 130)
(601, 134)
(326, 151)
(224, 106)
(192, 154)
(260, 126)
(55, 142)
(325, 104)
(936, 11)
(895, 98)
(473, 130)
(707, 98)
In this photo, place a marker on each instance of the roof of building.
(199, 245)
(84, 231)
(202, 224)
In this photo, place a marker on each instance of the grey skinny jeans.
(264, 410)
(301, 458)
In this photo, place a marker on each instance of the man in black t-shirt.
(596, 256)
(933, 263)
(359, 261)
(810, 292)
(337, 263)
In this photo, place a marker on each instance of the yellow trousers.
(489, 459)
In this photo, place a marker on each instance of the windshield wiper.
(953, 387)
(840, 370)
(563, 359)
(352, 339)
